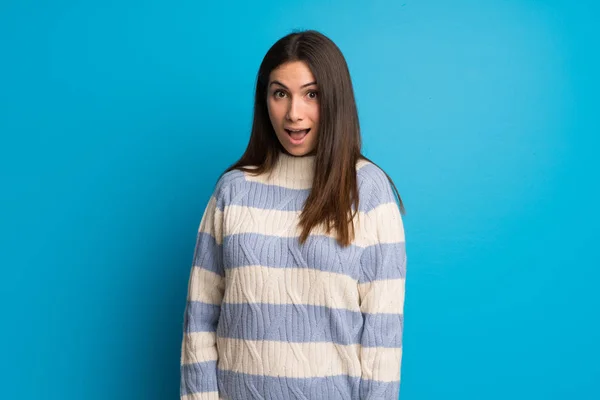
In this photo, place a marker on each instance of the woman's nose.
(294, 111)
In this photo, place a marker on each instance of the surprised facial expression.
(293, 105)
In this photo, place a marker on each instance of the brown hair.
(334, 188)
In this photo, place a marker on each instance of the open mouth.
(297, 134)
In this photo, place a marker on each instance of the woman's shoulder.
(374, 187)
(226, 185)
(369, 173)
(230, 177)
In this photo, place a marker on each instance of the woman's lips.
(297, 136)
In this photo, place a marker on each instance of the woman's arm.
(205, 293)
(381, 290)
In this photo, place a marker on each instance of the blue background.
(117, 118)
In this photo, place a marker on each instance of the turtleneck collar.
(294, 171)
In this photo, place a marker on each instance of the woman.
(297, 284)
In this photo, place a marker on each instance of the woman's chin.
(299, 151)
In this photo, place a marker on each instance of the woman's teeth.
(297, 134)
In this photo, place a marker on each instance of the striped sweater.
(270, 318)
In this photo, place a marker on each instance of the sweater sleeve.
(381, 293)
(198, 378)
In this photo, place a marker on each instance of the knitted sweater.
(270, 318)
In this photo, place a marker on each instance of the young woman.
(297, 284)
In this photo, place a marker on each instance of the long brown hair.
(338, 148)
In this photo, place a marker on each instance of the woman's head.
(325, 105)
(303, 84)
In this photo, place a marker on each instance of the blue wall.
(117, 117)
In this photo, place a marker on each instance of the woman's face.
(293, 104)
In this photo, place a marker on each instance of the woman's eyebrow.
(285, 87)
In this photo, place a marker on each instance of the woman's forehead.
(293, 75)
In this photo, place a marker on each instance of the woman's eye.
(278, 94)
(312, 95)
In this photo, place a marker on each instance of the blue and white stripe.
(270, 318)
